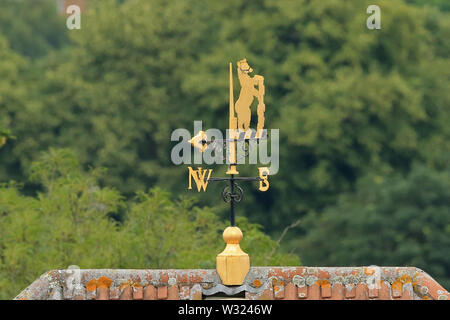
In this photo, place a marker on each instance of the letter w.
(199, 178)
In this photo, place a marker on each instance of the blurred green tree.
(348, 100)
(13, 94)
(391, 221)
(444, 5)
(69, 223)
(32, 27)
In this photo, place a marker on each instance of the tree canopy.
(347, 100)
(392, 221)
(32, 27)
(354, 106)
(71, 223)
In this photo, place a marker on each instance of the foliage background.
(363, 118)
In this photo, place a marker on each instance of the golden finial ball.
(232, 235)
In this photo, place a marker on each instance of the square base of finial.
(232, 269)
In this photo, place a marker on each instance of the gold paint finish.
(233, 264)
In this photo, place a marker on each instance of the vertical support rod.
(232, 119)
(232, 220)
(232, 130)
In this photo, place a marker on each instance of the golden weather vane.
(233, 264)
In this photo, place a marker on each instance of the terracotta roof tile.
(196, 292)
(397, 289)
(172, 293)
(361, 292)
(407, 293)
(302, 292)
(103, 293)
(126, 292)
(290, 291)
(184, 292)
(350, 291)
(385, 291)
(289, 283)
(138, 293)
(338, 292)
(114, 293)
(162, 293)
(313, 292)
(373, 293)
(325, 290)
(150, 292)
(278, 288)
(91, 294)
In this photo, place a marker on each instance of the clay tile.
(196, 292)
(302, 292)
(325, 290)
(164, 277)
(126, 293)
(104, 282)
(91, 288)
(162, 293)
(407, 293)
(102, 293)
(373, 293)
(78, 293)
(172, 293)
(313, 292)
(323, 274)
(430, 288)
(350, 291)
(284, 283)
(265, 295)
(361, 292)
(290, 291)
(78, 297)
(397, 289)
(385, 291)
(114, 293)
(138, 293)
(338, 292)
(278, 289)
(150, 293)
(184, 293)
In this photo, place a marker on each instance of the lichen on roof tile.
(292, 283)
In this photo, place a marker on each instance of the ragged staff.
(261, 106)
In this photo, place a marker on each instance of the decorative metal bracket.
(233, 193)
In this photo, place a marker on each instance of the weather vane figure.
(233, 264)
(246, 96)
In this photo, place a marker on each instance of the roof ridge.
(303, 282)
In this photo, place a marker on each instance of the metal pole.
(232, 220)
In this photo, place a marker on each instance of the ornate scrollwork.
(246, 148)
(235, 196)
(220, 145)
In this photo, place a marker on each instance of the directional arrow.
(199, 141)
